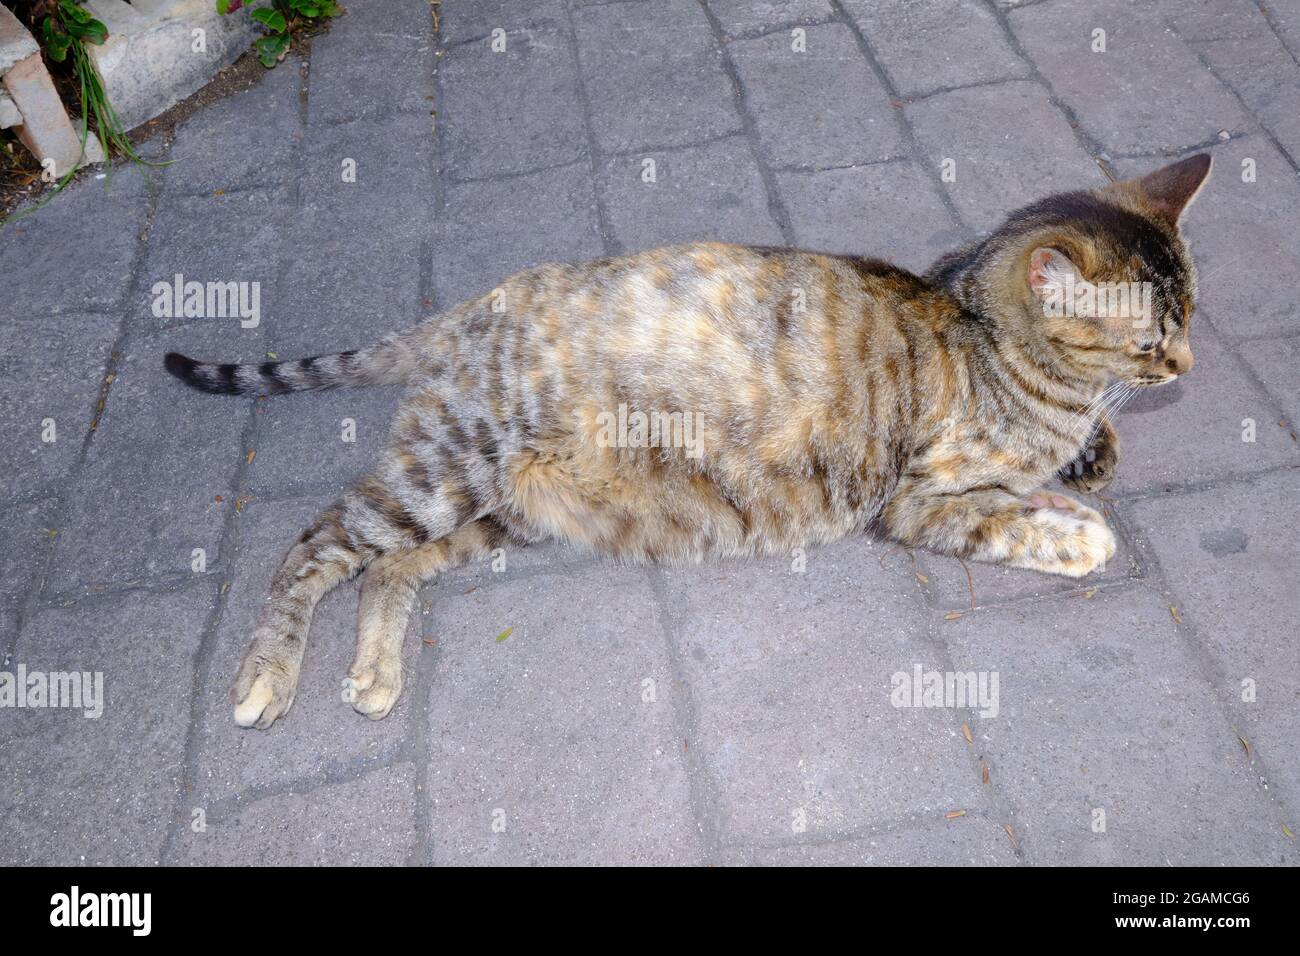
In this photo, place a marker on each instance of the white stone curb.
(160, 51)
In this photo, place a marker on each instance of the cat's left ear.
(1170, 190)
(1052, 276)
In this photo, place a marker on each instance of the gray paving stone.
(369, 821)
(493, 229)
(962, 841)
(1240, 234)
(306, 446)
(42, 253)
(339, 292)
(1267, 78)
(1191, 430)
(821, 106)
(350, 275)
(749, 17)
(550, 731)
(936, 44)
(511, 563)
(162, 454)
(1229, 556)
(352, 267)
(129, 179)
(1285, 17)
(465, 20)
(28, 531)
(653, 75)
(764, 706)
(389, 174)
(994, 584)
(1215, 19)
(52, 368)
(1010, 144)
(791, 693)
(886, 211)
(1109, 712)
(95, 791)
(8, 632)
(321, 732)
(712, 192)
(1277, 364)
(249, 139)
(346, 85)
(232, 237)
(1146, 93)
(510, 111)
(409, 18)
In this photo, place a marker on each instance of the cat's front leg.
(1095, 467)
(1043, 532)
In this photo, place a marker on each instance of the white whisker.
(1086, 419)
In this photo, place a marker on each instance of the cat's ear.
(1170, 190)
(1052, 276)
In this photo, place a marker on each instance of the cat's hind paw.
(374, 690)
(263, 692)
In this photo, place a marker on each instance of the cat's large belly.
(636, 509)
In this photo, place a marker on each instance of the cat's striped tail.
(387, 362)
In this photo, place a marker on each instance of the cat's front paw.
(373, 690)
(1063, 505)
(1093, 470)
(1075, 539)
(263, 691)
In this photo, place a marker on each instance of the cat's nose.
(1179, 361)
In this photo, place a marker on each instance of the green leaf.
(329, 8)
(308, 8)
(73, 12)
(56, 41)
(92, 32)
(272, 19)
(271, 48)
(58, 47)
(504, 634)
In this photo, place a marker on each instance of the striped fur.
(387, 362)
(833, 393)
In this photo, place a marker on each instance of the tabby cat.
(832, 394)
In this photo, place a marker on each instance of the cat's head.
(1103, 277)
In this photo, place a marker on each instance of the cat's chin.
(1150, 381)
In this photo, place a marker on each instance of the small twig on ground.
(970, 582)
(881, 559)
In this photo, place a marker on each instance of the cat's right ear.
(1168, 191)
(1052, 276)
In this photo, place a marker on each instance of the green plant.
(66, 29)
(280, 19)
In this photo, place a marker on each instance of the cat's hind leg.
(1043, 532)
(370, 520)
(388, 589)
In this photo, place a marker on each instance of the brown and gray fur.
(836, 394)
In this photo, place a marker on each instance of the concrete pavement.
(727, 714)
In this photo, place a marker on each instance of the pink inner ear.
(1039, 265)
